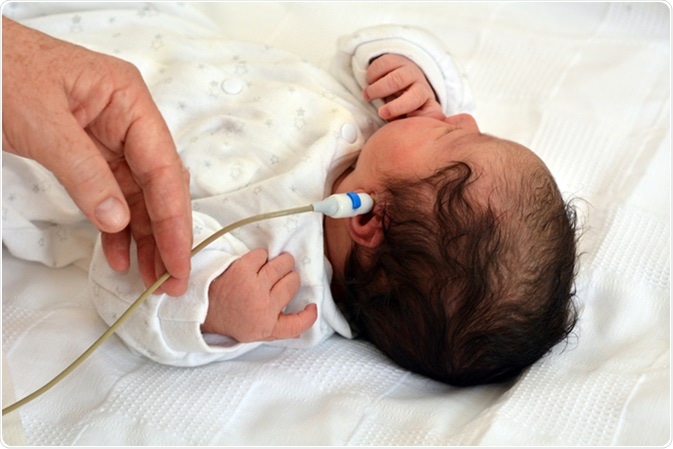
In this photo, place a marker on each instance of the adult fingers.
(116, 249)
(81, 168)
(165, 185)
(38, 122)
(132, 124)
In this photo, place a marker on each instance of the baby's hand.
(246, 301)
(402, 85)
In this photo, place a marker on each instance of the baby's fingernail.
(112, 214)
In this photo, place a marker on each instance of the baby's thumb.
(81, 168)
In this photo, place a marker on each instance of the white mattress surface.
(587, 87)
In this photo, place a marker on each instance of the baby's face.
(410, 148)
(417, 147)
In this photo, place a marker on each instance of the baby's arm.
(170, 330)
(402, 85)
(371, 46)
(246, 302)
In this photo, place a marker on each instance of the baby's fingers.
(294, 324)
(276, 268)
(392, 83)
(284, 290)
(251, 262)
(413, 99)
(383, 65)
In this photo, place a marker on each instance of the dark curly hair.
(462, 292)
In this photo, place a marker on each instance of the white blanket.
(586, 86)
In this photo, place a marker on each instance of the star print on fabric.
(299, 123)
(157, 42)
(235, 171)
(147, 11)
(213, 90)
(76, 26)
(291, 224)
(241, 68)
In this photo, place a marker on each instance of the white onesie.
(259, 129)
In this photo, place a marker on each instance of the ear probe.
(338, 205)
(343, 205)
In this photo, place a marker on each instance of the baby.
(462, 272)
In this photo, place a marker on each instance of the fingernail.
(111, 213)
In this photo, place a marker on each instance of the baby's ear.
(367, 229)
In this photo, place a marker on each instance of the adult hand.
(403, 86)
(246, 302)
(89, 118)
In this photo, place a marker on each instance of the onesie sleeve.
(356, 51)
(167, 329)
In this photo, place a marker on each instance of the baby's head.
(464, 270)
